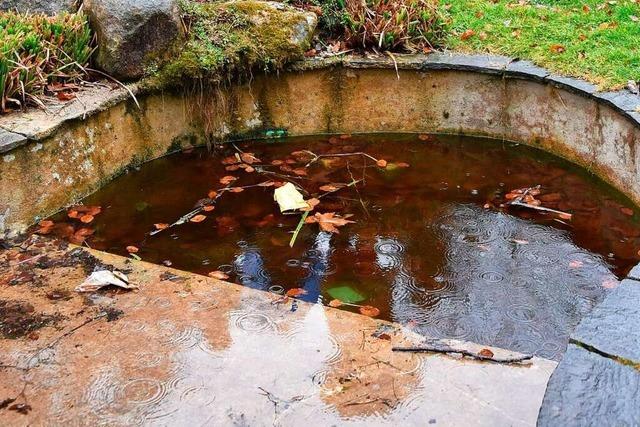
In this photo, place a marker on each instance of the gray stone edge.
(622, 101)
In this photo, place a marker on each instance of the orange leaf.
(236, 190)
(250, 169)
(332, 187)
(132, 249)
(557, 48)
(249, 158)
(232, 168)
(312, 204)
(86, 218)
(369, 310)
(226, 180)
(485, 352)
(467, 34)
(46, 223)
(300, 171)
(208, 208)
(402, 165)
(277, 162)
(335, 303)
(218, 275)
(267, 184)
(627, 211)
(231, 160)
(382, 163)
(295, 292)
(73, 214)
(161, 226)
(198, 218)
(328, 222)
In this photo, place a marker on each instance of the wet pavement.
(187, 349)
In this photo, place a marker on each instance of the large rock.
(50, 7)
(133, 33)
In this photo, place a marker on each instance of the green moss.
(226, 39)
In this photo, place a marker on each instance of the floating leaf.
(300, 171)
(231, 160)
(226, 180)
(312, 203)
(369, 310)
(232, 168)
(289, 198)
(345, 294)
(236, 190)
(277, 162)
(296, 292)
(627, 211)
(46, 223)
(332, 187)
(212, 194)
(208, 208)
(198, 218)
(132, 249)
(328, 222)
(382, 163)
(86, 218)
(218, 275)
(161, 226)
(249, 158)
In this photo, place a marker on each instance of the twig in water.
(446, 349)
(303, 217)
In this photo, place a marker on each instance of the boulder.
(49, 7)
(133, 33)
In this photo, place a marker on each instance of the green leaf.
(346, 294)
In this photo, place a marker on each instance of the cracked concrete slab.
(188, 349)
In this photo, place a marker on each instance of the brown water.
(431, 247)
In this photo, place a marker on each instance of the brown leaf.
(300, 171)
(226, 180)
(236, 190)
(86, 218)
(485, 352)
(231, 160)
(132, 249)
(65, 96)
(267, 184)
(402, 165)
(198, 218)
(208, 208)
(249, 158)
(277, 162)
(232, 168)
(335, 303)
(218, 275)
(369, 310)
(72, 213)
(328, 222)
(557, 48)
(295, 292)
(312, 204)
(212, 194)
(161, 226)
(467, 34)
(250, 169)
(46, 223)
(382, 163)
(627, 211)
(332, 187)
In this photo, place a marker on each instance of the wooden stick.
(446, 349)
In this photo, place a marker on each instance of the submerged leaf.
(328, 222)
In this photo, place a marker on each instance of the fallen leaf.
(65, 96)
(382, 163)
(557, 48)
(369, 310)
(328, 222)
(296, 292)
(231, 160)
(86, 218)
(266, 184)
(627, 211)
(46, 223)
(212, 194)
(332, 187)
(402, 165)
(198, 218)
(226, 180)
(73, 214)
(249, 158)
(232, 168)
(312, 203)
(161, 226)
(300, 172)
(277, 162)
(132, 249)
(236, 190)
(467, 34)
(335, 303)
(289, 198)
(485, 352)
(249, 169)
(218, 275)
(208, 208)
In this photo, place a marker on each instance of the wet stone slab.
(612, 327)
(187, 349)
(588, 389)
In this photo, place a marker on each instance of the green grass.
(595, 40)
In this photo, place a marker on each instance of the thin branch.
(446, 349)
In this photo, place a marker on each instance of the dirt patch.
(18, 318)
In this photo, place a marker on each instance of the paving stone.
(10, 140)
(588, 389)
(525, 70)
(574, 85)
(635, 271)
(612, 327)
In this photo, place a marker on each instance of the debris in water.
(289, 198)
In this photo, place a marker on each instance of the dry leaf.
(161, 226)
(212, 194)
(208, 208)
(249, 158)
(198, 218)
(295, 292)
(382, 163)
(86, 218)
(289, 198)
(328, 222)
(335, 303)
(332, 187)
(467, 34)
(277, 162)
(236, 190)
(485, 352)
(557, 48)
(369, 310)
(133, 249)
(226, 180)
(312, 203)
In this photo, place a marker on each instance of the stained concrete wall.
(492, 97)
